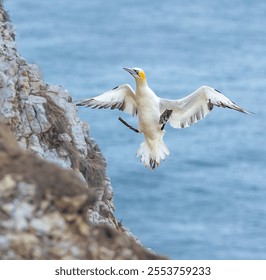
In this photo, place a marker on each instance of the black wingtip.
(248, 112)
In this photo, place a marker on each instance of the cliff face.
(43, 212)
(61, 209)
(44, 120)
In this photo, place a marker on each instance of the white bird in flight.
(153, 112)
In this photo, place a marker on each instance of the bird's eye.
(136, 71)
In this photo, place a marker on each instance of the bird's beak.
(130, 71)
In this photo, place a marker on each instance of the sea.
(207, 200)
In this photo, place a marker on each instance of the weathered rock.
(44, 120)
(43, 212)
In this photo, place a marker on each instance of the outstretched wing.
(197, 105)
(121, 98)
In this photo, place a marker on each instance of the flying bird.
(154, 112)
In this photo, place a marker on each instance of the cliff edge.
(55, 198)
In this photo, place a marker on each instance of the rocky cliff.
(55, 199)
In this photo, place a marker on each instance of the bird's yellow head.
(136, 72)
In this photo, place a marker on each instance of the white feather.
(121, 97)
(196, 106)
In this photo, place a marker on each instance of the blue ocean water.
(207, 200)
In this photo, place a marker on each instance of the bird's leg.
(128, 125)
(165, 117)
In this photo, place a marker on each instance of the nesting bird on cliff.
(153, 112)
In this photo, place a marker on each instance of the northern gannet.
(153, 112)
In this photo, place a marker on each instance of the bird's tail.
(151, 152)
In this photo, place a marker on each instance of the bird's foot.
(128, 125)
(165, 116)
(153, 164)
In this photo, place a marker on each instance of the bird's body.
(148, 104)
(153, 112)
